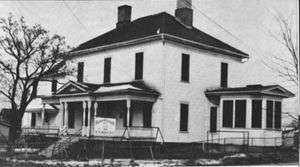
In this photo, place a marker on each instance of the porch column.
(264, 114)
(66, 115)
(128, 103)
(43, 114)
(83, 118)
(95, 109)
(89, 107)
(62, 110)
(249, 113)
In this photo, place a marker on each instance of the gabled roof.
(159, 25)
(76, 87)
(272, 90)
(133, 87)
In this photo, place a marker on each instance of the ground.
(276, 158)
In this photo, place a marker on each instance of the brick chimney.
(184, 12)
(124, 15)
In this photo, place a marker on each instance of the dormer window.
(139, 62)
(80, 69)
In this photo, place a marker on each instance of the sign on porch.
(104, 126)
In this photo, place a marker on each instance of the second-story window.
(139, 60)
(224, 75)
(107, 70)
(80, 69)
(185, 67)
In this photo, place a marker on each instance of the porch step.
(59, 147)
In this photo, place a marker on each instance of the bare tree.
(286, 65)
(27, 55)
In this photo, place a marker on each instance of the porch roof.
(270, 90)
(72, 88)
(36, 106)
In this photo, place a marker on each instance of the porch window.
(227, 113)
(213, 119)
(147, 115)
(277, 114)
(139, 58)
(80, 69)
(71, 119)
(256, 113)
(185, 67)
(107, 70)
(269, 120)
(184, 113)
(240, 113)
(33, 119)
(224, 75)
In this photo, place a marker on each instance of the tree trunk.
(15, 130)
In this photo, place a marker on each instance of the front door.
(213, 119)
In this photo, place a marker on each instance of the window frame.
(139, 66)
(235, 113)
(232, 117)
(107, 70)
(224, 83)
(181, 130)
(185, 61)
(261, 113)
(80, 71)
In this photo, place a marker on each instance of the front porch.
(130, 111)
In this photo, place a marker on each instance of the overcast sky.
(248, 20)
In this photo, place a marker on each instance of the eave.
(164, 37)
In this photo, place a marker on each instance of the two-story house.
(160, 74)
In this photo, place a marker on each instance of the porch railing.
(48, 130)
(133, 132)
(237, 137)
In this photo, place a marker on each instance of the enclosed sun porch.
(107, 111)
(250, 115)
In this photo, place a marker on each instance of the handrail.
(42, 130)
(158, 131)
(246, 138)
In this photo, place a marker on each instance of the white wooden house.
(159, 73)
